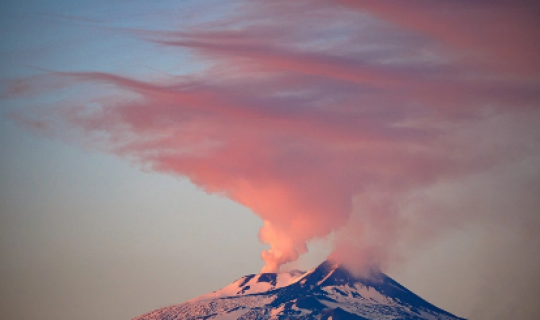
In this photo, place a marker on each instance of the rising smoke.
(343, 117)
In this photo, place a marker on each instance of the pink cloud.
(309, 124)
(499, 34)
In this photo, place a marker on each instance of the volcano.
(327, 292)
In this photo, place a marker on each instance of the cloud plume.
(326, 116)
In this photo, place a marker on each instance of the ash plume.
(338, 117)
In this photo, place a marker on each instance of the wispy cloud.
(322, 114)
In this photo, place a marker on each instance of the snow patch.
(251, 285)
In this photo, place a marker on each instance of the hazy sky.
(150, 151)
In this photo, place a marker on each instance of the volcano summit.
(327, 292)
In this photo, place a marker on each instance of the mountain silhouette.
(327, 292)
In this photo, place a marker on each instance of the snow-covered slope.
(328, 292)
(254, 283)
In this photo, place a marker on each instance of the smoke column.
(326, 116)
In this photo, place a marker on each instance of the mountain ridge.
(329, 291)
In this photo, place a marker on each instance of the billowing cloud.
(328, 116)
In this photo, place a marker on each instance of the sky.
(152, 152)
